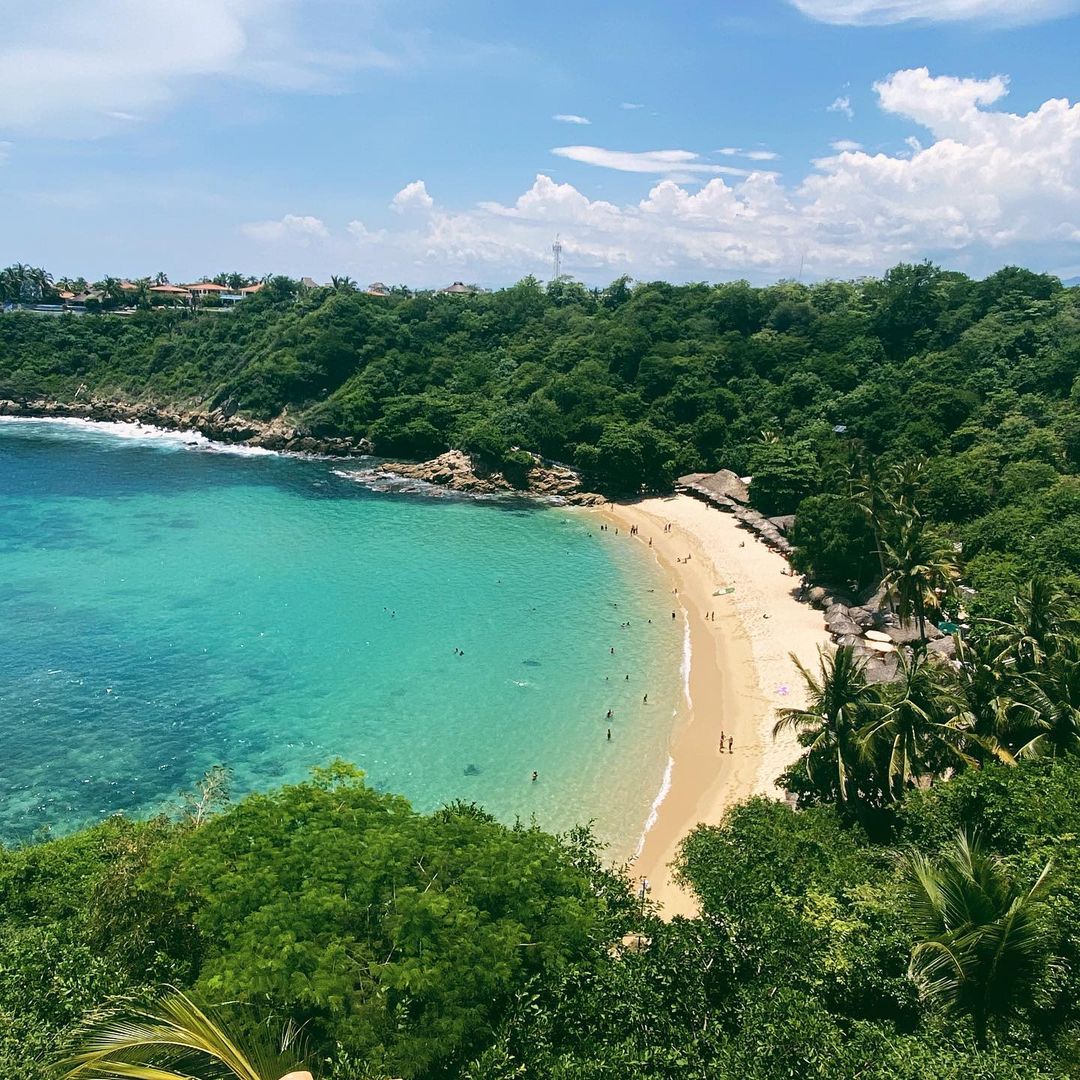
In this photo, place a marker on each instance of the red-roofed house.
(206, 288)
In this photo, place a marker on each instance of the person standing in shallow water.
(535, 776)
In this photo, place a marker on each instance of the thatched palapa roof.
(723, 484)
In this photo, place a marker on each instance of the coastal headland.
(738, 603)
(454, 470)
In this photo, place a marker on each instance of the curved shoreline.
(740, 671)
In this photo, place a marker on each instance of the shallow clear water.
(165, 607)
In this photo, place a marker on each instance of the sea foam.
(654, 810)
(145, 434)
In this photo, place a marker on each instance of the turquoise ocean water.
(165, 607)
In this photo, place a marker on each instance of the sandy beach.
(740, 670)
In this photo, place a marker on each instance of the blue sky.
(421, 142)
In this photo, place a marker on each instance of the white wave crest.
(143, 434)
(654, 810)
(684, 667)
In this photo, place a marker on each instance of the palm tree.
(982, 948)
(909, 479)
(871, 498)
(111, 288)
(1040, 625)
(915, 735)
(343, 283)
(982, 693)
(919, 568)
(840, 700)
(1051, 695)
(171, 1038)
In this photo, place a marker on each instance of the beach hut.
(721, 484)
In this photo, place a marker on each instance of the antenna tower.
(557, 250)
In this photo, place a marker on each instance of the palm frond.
(170, 1038)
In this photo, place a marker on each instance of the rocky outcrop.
(222, 424)
(458, 471)
(454, 470)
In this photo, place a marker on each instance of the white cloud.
(990, 187)
(946, 105)
(86, 69)
(631, 105)
(302, 230)
(571, 118)
(878, 12)
(412, 196)
(842, 146)
(750, 155)
(657, 162)
(842, 105)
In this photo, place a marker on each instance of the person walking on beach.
(730, 741)
(673, 614)
(610, 714)
(645, 700)
(609, 734)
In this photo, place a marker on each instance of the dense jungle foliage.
(919, 920)
(806, 387)
(915, 913)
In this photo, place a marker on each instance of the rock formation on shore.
(222, 424)
(454, 470)
(458, 471)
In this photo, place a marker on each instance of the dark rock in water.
(472, 770)
(531, 663)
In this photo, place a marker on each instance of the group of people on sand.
(730, 743)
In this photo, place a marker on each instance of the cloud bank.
(981, 187)
(93, 67)
(884, 12)
(300, 229)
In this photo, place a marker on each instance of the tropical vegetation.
(914, 911)
(912, 421)
(911, 911)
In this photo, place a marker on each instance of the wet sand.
(740, 670)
